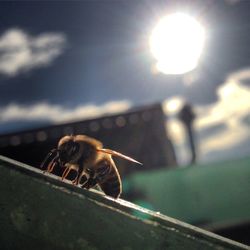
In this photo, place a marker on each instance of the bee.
(92, 163)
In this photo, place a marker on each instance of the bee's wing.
(114, 153)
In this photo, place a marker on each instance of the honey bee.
(92, 163)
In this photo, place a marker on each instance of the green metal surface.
(201, 195)
(42, 212)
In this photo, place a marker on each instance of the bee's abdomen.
(111, 186)
(109, 179)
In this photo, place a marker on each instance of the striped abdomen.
(108, 177)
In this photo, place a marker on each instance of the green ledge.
(214, 195)
(40, 211)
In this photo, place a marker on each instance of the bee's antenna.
(51, 157)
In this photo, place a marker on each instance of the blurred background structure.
(187, 117)
(165, 82)
(139, 133)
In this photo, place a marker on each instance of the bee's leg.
(83, 179)
(65, 172)
(79, 175)
(87, 183)
(76, 180)
(49, 160)
(69, 167)
(87, 179)
(90, 183)
(51, 166)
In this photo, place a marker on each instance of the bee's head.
(68, 149)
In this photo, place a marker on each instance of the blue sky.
(62, 61)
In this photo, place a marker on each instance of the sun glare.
(176, 43)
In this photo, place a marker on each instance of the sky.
(70, 60)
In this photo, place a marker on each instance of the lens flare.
(176, 43)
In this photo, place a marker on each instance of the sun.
(177, 42)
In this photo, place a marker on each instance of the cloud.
(57, 113)
(222, 127)
(20, 51)
(233, 103)
(231, 109)
(233, 1)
